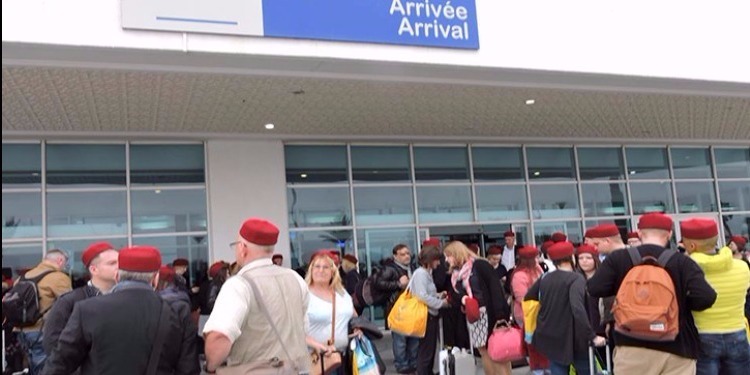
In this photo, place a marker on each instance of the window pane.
(304, 244)
(384, 205)
(86, 214)
(734, 225)
(85, 165)
(192, 248)
(604, 199)
(550, 163)
(543, 231)
(168, 211)
(19, 258)
(79, 274)
(167, 164)
(444, 204)
(696, 197)
(730, 162)
(596, 163)
(651, 197)
(691, 163)
(441, 163)
(320, 207)
(374, 163)
(735, 196)
(647, 163)
(22, 165)
(501, 202)
(553, 201)
(22, 215)
(497, 163)
(315, 164)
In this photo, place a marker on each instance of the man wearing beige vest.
(239, 336)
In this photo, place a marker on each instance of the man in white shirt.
(238, 331)
(509, 251)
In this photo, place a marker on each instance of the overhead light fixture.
(270, 126)
(304, 175)
(157, 191)
(537, 173)
(632, 172)
(530, 101)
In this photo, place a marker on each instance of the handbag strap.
(161, 335)
(333, 318)
(264, 310)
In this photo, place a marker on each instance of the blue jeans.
(581, 365)
(405, 350)
(32, 343)
(726, 354)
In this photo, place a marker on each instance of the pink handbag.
(506, 342)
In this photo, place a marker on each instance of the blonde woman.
(484, 301)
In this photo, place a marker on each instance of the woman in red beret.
(526, 273)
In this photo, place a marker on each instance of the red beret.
(509, 233)
(215, 268)
(740, 241)
(333, 254)
(474, 248)
(166, 274)
(528, 252)
(558, 237)
(351, 258)
(545, 246)
(260, 232)
(588, 249)
(180, 262)
(279, 256)
(603, 231)
(139, 259)
(655, 220)
(560, 250)
(633, 235)
(471, 308)
(93, 250)
(495, 250)
(698, 228)
(431, 242)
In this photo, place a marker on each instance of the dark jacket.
(54, 321)
(114, 334)
(486, 288)
(563, 331)
(351, 279)
(207, 294)
(692, 290)
(388, 282)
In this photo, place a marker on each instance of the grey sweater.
(423, 288)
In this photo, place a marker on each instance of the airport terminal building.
(360, 125)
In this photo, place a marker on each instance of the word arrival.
(442, 20)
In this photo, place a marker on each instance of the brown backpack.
(646, 304)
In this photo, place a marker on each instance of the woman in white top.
(324, 282)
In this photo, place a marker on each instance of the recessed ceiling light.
(537, 173)
(270, 126)
(157, 191)
(530, 101)
(632, 172)
(304, 175)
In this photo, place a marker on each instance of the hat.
(558, 237)
(603, 231)
(215, 268)
(139, 259)
(587, 249)
(93, 250)
(431, 242)
(351, 258)
(633, 235)
(494, 250)
(655, 220)
(333, 254)
(166, 274)
(471, 308)
(740, 241)
(474, 248)
(545, 246)
(180, 262)
(259, 231)
(277, 256)
(528, 252)
(560, 250)
(698, 228)
(509, 233)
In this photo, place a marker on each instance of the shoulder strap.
(635, 256)
(161, 335)
(665, 256)
(36, 279)
(264, 310)
(333, 319)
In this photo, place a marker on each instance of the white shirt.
(509, 258)
(319, 315)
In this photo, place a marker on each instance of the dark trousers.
(427, 346)
(455, 331)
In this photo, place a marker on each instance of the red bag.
(506, 342)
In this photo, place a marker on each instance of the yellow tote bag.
(531, 309)
(408, 316)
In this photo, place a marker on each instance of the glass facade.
(68, 195)
(401, 193)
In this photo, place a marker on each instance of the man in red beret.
(510, 251)
(633, 239)
(693, 293)
(605, 238)
(118, 332)
(243, 333)
(278, 259)
(100, 259)
(737, 245)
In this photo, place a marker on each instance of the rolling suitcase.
(455, 361)
(595, 365)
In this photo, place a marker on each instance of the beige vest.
(284, 297)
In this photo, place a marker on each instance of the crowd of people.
(137, 315)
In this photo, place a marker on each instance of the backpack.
(21, 303)
(646, 306)
(366, 292)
